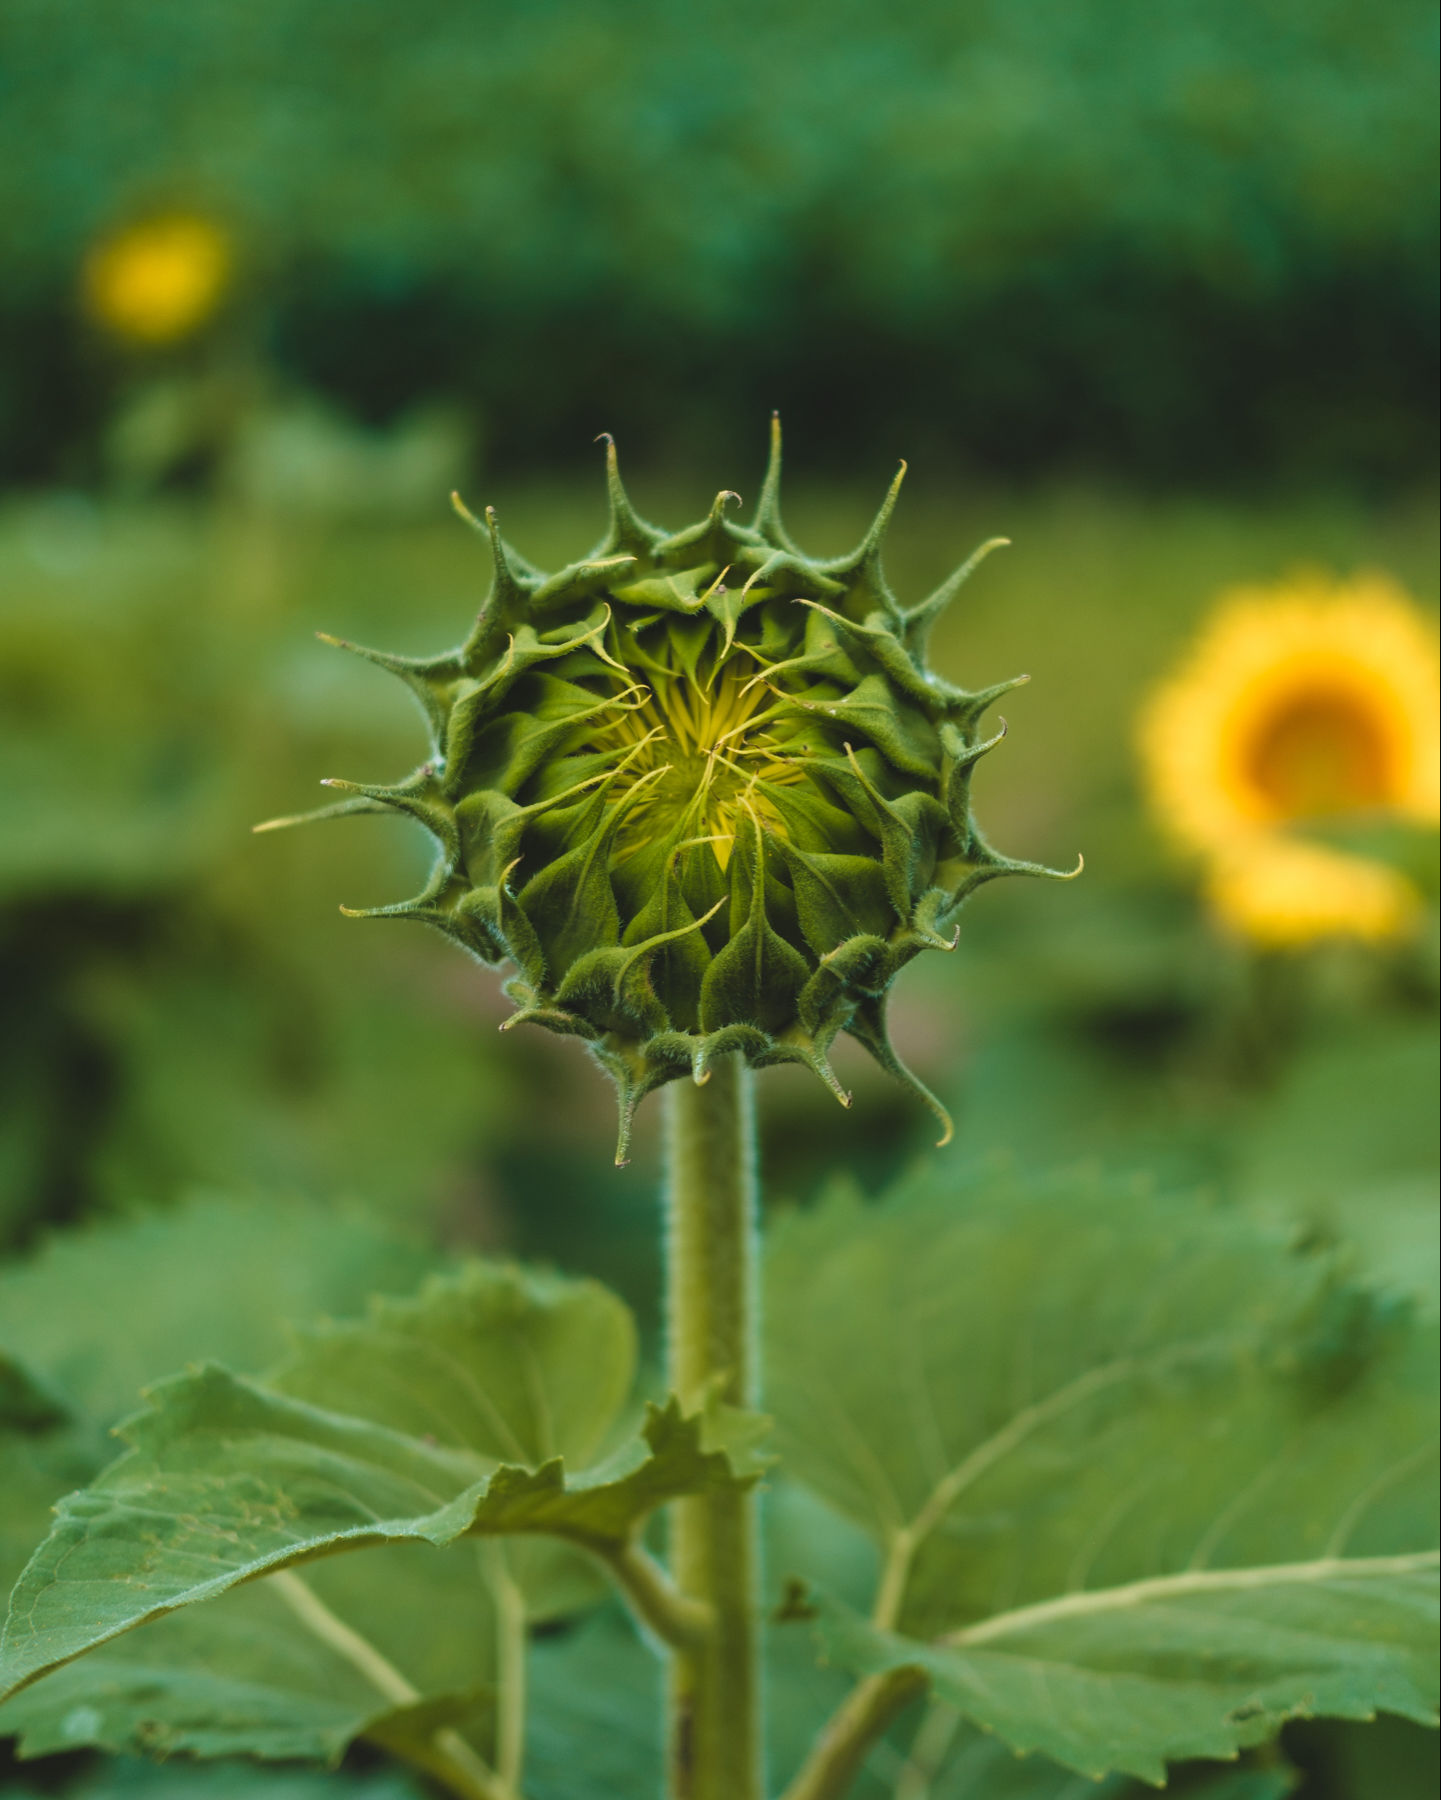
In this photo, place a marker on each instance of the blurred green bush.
(177, 1012)
(1191, 238)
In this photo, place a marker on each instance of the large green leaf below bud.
(701, 790)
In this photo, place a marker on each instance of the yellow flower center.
(698, 754)
(1317, 753)
(158, 280)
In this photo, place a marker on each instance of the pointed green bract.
(713, 749)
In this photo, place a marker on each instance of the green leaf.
(1192, 1665)
(124, 1778)
(596, 1725)
(593, 1731)
(389, 1646)
(801, 1693)
(517, 1367)
(977, 1764)
(248, 1676)
(1034, 1399)
(1394, 1229)
(36, 1468)
(101, 1309)
(99, 1312)
(467, 1404)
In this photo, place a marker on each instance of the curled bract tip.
(464, 512)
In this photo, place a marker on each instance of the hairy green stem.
(714, 1701)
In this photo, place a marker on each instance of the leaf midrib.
(1190, 1582)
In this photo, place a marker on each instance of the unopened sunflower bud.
(701, 790)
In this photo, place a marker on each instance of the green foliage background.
(1147, 289)
(1191, 238)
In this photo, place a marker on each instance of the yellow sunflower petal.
(1281, 892)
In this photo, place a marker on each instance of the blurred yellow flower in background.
(159, 279)
(1304, 703)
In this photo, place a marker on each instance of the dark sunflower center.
(1320, 753)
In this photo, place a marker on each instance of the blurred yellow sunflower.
(158, 279)
(1301, 704)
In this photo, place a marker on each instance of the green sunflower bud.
(701, 790)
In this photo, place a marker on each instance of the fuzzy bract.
(701, 790)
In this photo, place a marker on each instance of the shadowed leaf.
(1035, 1400)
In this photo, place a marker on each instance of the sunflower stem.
(714, 1689)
